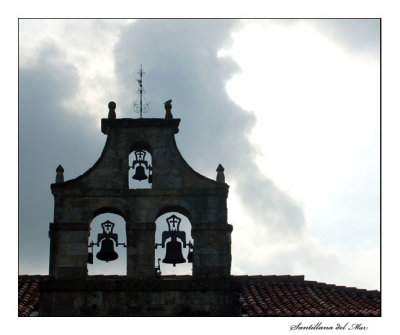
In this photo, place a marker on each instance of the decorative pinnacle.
(60, 174)
(220, 174)
(111, 110)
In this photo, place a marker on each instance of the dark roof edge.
(245, 279)
(340, 287)
(107, 124)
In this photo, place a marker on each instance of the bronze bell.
(107, 252)
(139, 173)
(173, 254)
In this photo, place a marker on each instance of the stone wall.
(119, 296)
(104, 189)
(169, 296)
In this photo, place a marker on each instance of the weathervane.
(141, 106)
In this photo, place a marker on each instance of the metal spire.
(140, 105)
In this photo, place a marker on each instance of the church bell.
(139, 173)
(106, 241)
(141, 164)
(107, 252)
(173, 253)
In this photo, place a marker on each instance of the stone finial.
(220, 174)
(111, 110)
(168, 107)
(60, 174)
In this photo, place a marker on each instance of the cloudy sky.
(290, 108)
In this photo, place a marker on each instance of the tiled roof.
(307, 298)
(260, 296)
(28, 295)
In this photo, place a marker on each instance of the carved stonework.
(60, 174)
(111, 110)
(220, 174)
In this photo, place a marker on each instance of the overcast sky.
(290, 108)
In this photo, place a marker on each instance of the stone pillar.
(140, 253)
(220, 174)
(212, 252)
(68, 250)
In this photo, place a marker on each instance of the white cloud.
(89, 45)
(260, 249)
(317, 139)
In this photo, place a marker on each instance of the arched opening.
(140, 170)
(107, 241)
(140, 174)
(174, 243)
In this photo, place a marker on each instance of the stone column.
(140, 254)
(68, 250)
(212, 252)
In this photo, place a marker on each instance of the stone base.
(119, 296)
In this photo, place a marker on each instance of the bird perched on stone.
(168, 107)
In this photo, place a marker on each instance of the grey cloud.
(270, 206)
(355, 35)
(180, 57)
(48, 136)
(297, 256)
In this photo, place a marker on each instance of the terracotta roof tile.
(262, 296)
(28, 294)
(307, 298)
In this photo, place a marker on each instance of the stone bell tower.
(175, 187)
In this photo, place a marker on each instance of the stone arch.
(139, 148)
(140, 145)
(104, 210)
(174, 208)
